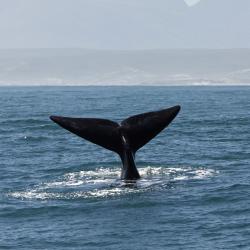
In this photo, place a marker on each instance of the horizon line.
(132, 85)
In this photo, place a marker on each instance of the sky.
(191, 2)
(124, 24)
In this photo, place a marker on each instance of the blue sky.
(124, 24)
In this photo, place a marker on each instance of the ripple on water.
(104, 182)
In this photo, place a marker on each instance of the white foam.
(104, 182)
(204, 173)
(180, 178)
(34, 194)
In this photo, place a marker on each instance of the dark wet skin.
(126, 138)
(129, 170)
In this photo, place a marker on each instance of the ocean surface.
(58, 191)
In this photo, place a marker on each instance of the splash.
(105, 182)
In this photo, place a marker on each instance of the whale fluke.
(102, 132)
(125, 138)
(140, 129)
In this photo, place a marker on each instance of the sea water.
(58, 191)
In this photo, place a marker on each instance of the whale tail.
(125, 138)
(138, 129)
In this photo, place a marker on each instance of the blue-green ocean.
(58, 191)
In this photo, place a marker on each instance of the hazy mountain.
(79, 66)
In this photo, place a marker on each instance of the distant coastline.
(31, 85)
(82, 67)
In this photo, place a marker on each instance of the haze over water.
(58, 191)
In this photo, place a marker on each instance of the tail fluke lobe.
(102, 132)
(137, 130)
(124, 139)
(140, 129)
